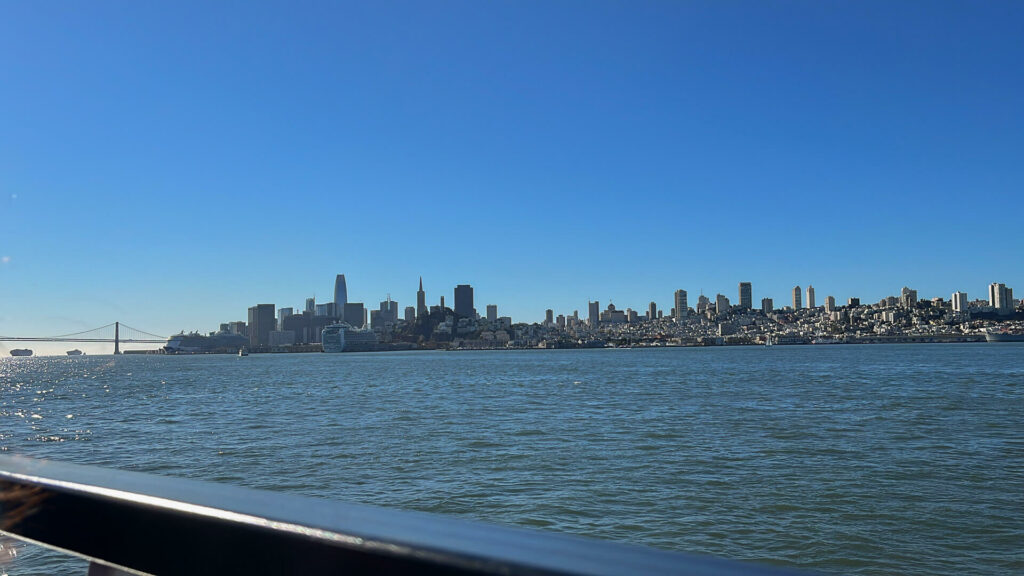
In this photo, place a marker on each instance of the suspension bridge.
(114, 332)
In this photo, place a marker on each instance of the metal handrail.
(151, 524)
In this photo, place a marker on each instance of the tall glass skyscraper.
(340, 296)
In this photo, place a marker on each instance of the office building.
(549, 317)
(703, 303)
(652, 311)
(810, 296)
(681, 309)
(593, 313)
(340, 292)
(355, 314)
(612, 315)
(464, 301)
(853, 302)
(959, 300)
(261, 324)
(421, 300)
(746, 296)
(492, 312)
(410, 314)
(560, 322)
(796, 298)
(311, 305)
(830, 304)
(283, 313)
(767, 305)
(327, 309)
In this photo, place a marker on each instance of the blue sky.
(170, 164)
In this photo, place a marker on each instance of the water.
(883, 459)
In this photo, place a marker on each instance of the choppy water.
(845, 459)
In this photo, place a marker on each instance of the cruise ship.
(221, 342)
(345, 338)
(1003, 336)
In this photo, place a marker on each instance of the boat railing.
(129, 522)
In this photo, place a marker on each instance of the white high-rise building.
(908, 297)
(959, 300)
(1000, 297)
(721, 304)
(830, 304)
(810, 296)
(681, 306)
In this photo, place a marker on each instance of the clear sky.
(170, 164)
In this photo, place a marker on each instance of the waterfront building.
(593, 313)
(959, 300)
(282, 337)
(464, 301)
(421, 300)
(767, 306)
(908, 297)
(796, 298)
(340, 292)
(681, 309)
(721, 304)
(492, 312)
(746, 296)
(810, 296)
(283, 313)
(311, 305)
(355, 314)
(830, 304)
(410, 314)
(652, 311)
(261, 324)
(1000, 297)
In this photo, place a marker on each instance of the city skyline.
(164, 168)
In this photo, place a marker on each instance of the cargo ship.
(21, 352)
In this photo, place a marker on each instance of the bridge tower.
(117, 338)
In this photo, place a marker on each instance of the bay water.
(871, 459)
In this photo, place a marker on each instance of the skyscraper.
(261, 324)
(767, 305)
(340, 292)
(796, 298)
(830, 304)
(549, 317)
(593, 313)
(721, 304)
(421, 300)
(652, 311)
(311, 305)
(410, 314)
(464, 300)
(746, 296)
(1000, 297)
(355, 314)
(681, 307)
(810, 296)
(959, 300)
(492, 312)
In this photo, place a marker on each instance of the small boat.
(75, 352)
(243, 352)
(21, 352)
